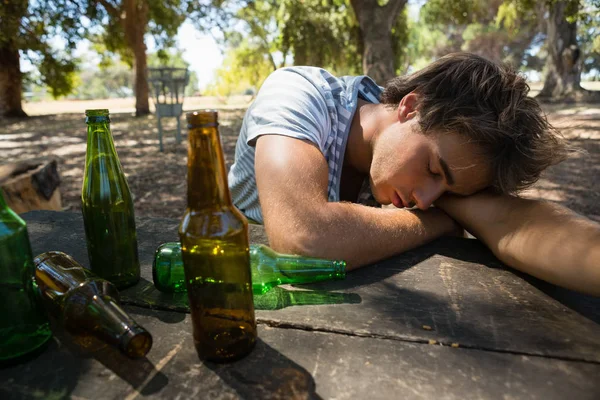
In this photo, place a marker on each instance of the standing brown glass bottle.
(215, 249)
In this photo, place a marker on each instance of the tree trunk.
(10, 82)
(563, 64)
(376, 23)
(136, 21)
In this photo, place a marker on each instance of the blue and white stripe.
(306, 103)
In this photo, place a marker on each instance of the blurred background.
(60, 57)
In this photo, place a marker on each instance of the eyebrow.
(447, 173)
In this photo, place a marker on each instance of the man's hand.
(537, 237)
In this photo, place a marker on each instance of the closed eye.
(434, 174)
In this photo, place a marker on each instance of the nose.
(429, 192)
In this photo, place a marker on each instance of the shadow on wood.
(267, 374)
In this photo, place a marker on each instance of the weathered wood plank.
(454, 286)
(31, 185)
(291, 363)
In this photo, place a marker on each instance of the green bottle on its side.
(269, 269)
(24, 327)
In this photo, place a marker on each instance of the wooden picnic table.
(446, 320)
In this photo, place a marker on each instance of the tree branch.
(111, 9)
(392, 10)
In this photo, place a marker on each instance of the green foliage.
(400, 40)
(263, 35)
(496, 29)
(321, 33)
(424, 44)
(243, 71)
(586, 13)
(110, 82)
(30, 27)
(456, 12)
(116, 79)
(588, 37)
(163, 20)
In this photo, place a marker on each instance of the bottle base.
(224, 352)
(24, 345)
(224, 358)
(121, 283)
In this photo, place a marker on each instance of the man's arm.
(540, 238)
(292, 179)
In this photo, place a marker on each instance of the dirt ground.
(157, 180)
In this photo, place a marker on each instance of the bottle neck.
(100, 148)
(3, 205)
(99, 137)
(207, 179)
(296, 266)
(112, 325)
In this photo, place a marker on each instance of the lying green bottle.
(269, 269)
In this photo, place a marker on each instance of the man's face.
(410, 168)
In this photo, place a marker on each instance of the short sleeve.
(289, 104)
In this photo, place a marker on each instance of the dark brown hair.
(488, 103)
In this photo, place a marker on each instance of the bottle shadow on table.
(138, 373)
(145, 295)
(50, 372)
(65, 364)
(266, 374)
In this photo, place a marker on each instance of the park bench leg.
(160, 143)
(178, 129)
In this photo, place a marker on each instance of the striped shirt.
(305, 103)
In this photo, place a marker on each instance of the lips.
(397, 201)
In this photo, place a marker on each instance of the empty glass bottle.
(107, 207)
(214, 239)
(87, 305)
(23, 326)
(268, 268)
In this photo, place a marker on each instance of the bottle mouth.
(202, 118)
(340, 269)
(100, 112)
(136, 342)
(96, 116)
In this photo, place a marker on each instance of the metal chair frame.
(168, 84)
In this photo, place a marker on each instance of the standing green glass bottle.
(107, 207)
(268, 268)
(23, 325)
(214, 238)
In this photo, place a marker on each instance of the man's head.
(461, 117)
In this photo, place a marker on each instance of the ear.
(407, 109)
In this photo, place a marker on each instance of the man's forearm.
(540, 238)
(361, 235)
